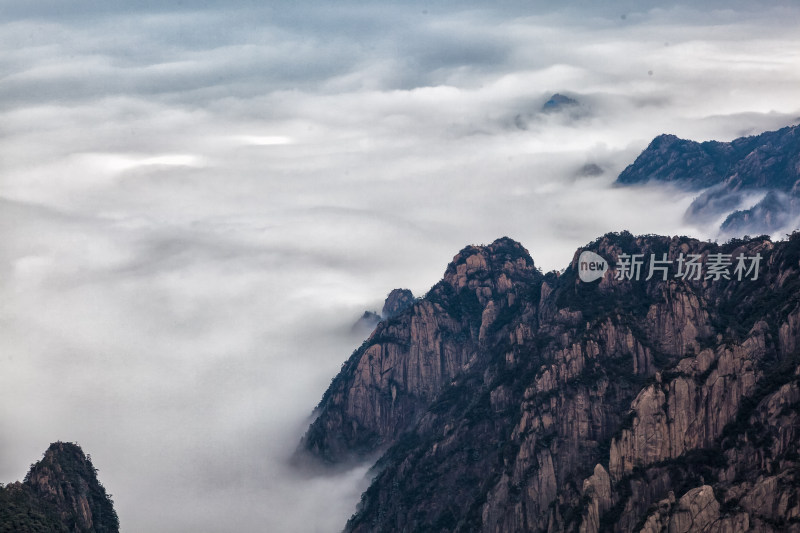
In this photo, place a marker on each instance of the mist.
(198, 201)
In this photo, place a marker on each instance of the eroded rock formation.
(510, 400)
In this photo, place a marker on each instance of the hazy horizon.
(199, 199)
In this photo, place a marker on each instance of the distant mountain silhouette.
(558, 102)
(397, 301)
(763, 169)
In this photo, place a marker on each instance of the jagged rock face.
(60, 493)
(396, 302)
(505, 400)
(597, 489)
(387, 384)
(697, 510)
(729, 172)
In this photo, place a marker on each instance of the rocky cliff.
(60, 493)
(752, 182)
(388, 383)
(396, 302)
(511, 400)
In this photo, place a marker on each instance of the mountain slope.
(731, 174)
(60, 493)
(387, 384)
(508, 400)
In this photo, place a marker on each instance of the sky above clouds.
(198, 199)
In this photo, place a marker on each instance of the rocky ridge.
(511, 400)
(760, 173)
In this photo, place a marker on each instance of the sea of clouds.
(198, 200)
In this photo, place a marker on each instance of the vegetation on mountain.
(60, 493)
(511, 400)
(753, 181)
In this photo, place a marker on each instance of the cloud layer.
(197, 202)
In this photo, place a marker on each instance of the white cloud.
(197, 205)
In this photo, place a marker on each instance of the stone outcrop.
(396, 302)
(697, 510)
(597, 488)
(509, 400)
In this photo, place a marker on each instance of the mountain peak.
(387, 384)
(557, 102)
(396, 302)
(731, 174)
(502, 260)
(60, 492)
(665, 140)
(505, 400)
